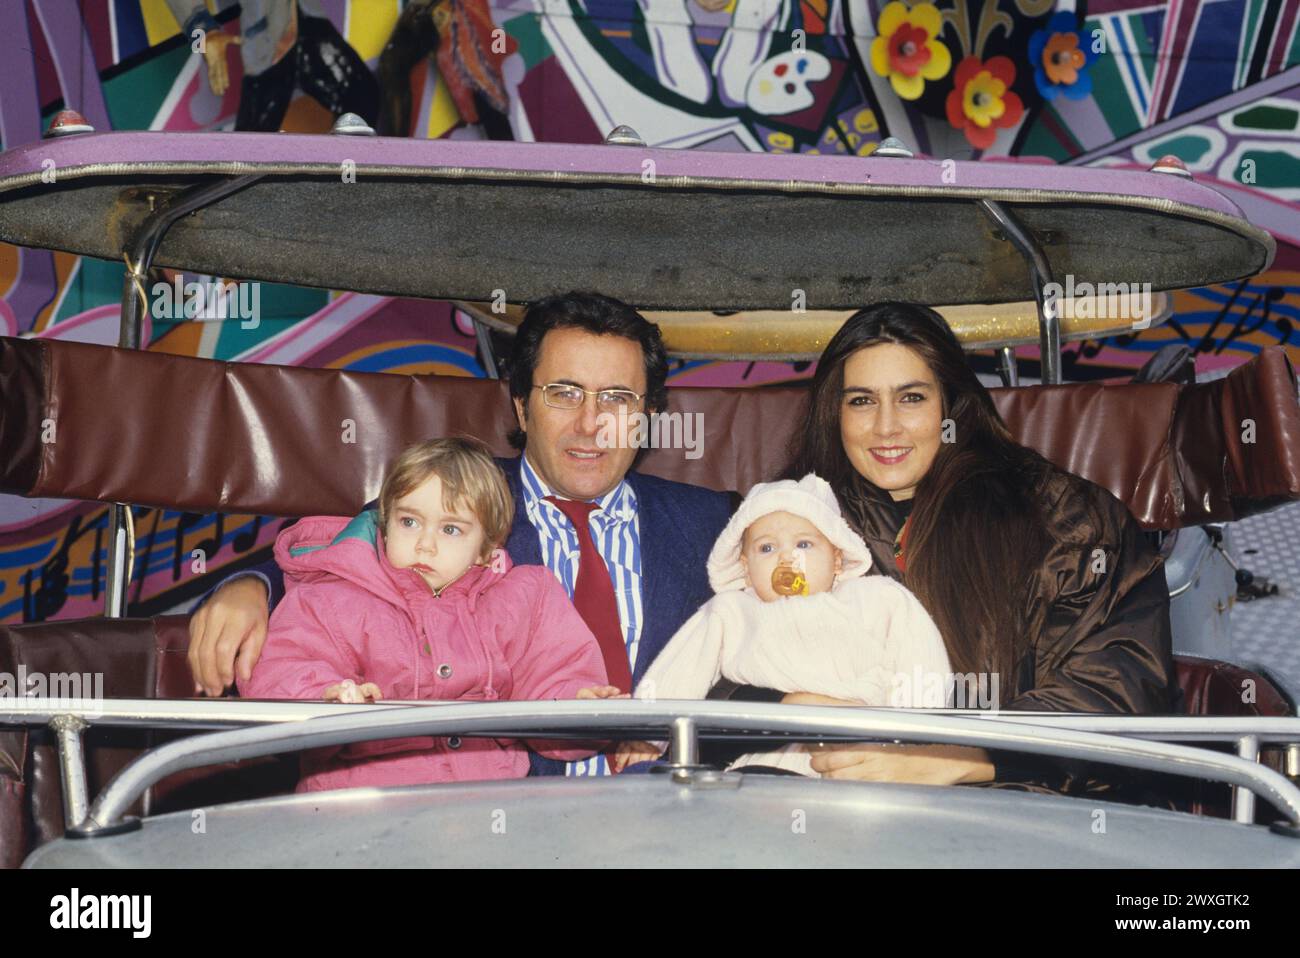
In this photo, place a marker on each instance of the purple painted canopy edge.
(289, 148)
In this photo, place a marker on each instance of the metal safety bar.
(686, 722)
(206, 714)
(182, 714)
(135, 302)
(1040, 274)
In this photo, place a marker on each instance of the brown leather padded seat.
(137, 658)
(1212, 687)
(145, 658)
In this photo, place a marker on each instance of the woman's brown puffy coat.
(1098, 622)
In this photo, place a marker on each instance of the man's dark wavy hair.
(596, 314)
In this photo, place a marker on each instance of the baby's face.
(781, 535)
(436, 541)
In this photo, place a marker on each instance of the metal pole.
(485, 347)
(145, 243)
(683, 746)
(72, 766)
(1007, 368)
(1243, 799)
(1040, 273)
(117, 575)
(135, 302)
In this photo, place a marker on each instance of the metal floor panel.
(1267, 631)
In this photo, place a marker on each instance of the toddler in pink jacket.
(415, 600)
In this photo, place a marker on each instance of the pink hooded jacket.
(348, 614)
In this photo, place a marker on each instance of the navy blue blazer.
(678, 523)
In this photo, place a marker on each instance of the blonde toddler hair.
(470, 479)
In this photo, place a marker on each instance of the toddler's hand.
(349, 692)
(602, 692)
(629, 753)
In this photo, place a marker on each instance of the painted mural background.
(1103, 83)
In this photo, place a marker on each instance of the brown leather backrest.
(1115, 435)
(200, 435)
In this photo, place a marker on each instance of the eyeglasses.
(569, 396)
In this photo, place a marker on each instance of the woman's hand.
(812, 698)
(915, 764)
(349, 692)
(602, 692)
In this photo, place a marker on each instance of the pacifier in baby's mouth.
(788, 577)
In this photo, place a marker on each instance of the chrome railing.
(253, 729)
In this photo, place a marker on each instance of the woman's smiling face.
(891, 417)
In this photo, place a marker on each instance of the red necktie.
(593, 594)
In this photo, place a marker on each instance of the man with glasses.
(630, 549)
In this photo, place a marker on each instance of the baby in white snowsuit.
(795, 611)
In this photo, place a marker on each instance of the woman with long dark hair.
(1046, 592)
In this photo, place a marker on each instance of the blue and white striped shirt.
(616, 531)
